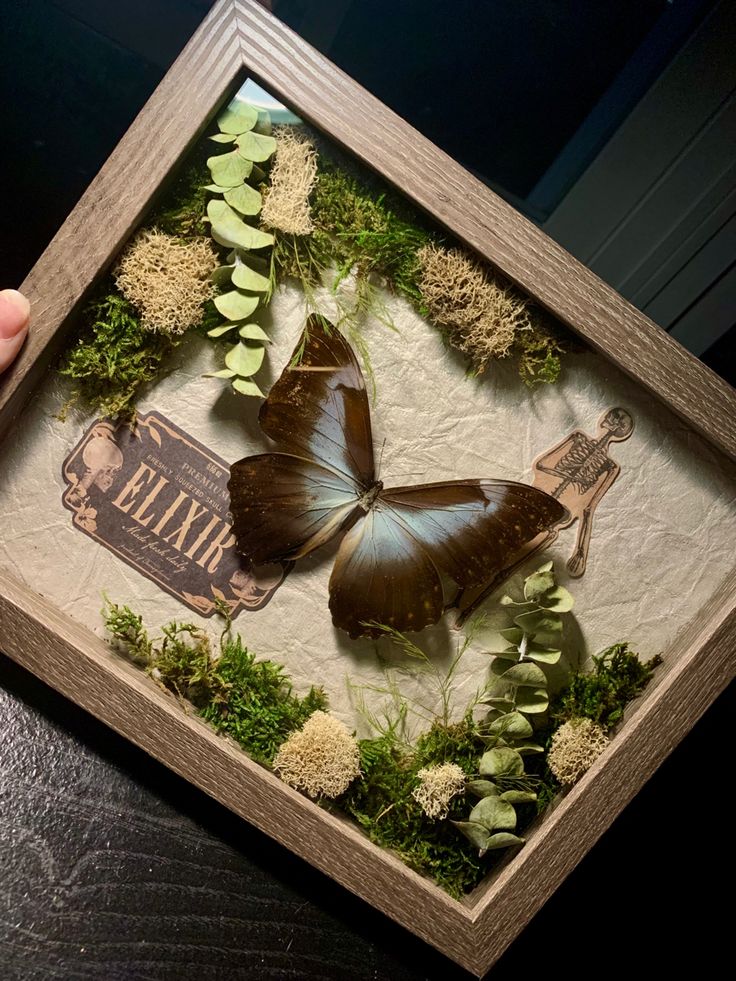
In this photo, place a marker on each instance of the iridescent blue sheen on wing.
(284, 507)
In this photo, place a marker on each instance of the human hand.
(15, 312)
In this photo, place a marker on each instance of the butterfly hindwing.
(471, 528)
(390, 565)
(318, 408)
(381, 575)
(285, 506)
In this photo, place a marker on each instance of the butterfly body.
(398, 544)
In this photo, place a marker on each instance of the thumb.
(15, 311)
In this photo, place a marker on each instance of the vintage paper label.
(158, 499)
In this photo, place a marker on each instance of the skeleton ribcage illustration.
(583, 464)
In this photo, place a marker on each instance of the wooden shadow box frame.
(239, 38)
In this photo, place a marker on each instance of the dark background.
(110, 866)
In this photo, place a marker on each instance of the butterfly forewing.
(285, 506)
(472, 528)
(318, 408)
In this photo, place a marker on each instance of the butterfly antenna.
(380, 458)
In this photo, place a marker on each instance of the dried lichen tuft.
(166, 279)
(480, 316)
(293, 176)
(437, 786)
(321, 758)
(575, 747)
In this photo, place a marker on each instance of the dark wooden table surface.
(113, 868)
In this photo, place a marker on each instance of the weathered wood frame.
(239, 37)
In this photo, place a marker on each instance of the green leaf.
(247, 387)
(236, 305)
(499, 702)
(245, 359)
(536, 585)
(538, 622)
(518, 796)
(223, 138)
(525, 674)
(246, 278)
(255, 146)
(244, 198)
(237, 118)
(512, 724)
(229, 169)
(501, 762)
(475, 833)
(558, 600)
(222, 373)
(494, 813)
(213, 187)
(482, 788)
(526, 748)
(229, 229)
(254, 332)
(222, 329)
(513, 635)
(502, 840)
(222, 275)
(543, 655)
(502, 662)
(532, 701)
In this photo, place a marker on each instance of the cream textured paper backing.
(663, 537)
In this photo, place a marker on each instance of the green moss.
(114, 355)
(539, 351)
(383, 805)
(250, 700)
(618, 676)
(182, 209)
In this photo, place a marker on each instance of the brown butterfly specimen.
(400, 544)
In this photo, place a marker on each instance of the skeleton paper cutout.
(577, 472)
(398, 544)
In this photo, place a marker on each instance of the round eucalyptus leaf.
(532, 701)
(254, 332)
(501, 762)
(525, 673)
(244, 198)
(223, 138)
(474, 832)
(542, 655)
(558, 600)
(237, 118)
(536, 585)
(222, 373)
(482, 788)
(221, 330)
(518, 796)
(245, 359)
(526, 748)
(256, 146)
(236, 305)
(247, 387)
(228, 169)
(513, 724)
(494, 813)
(246, 278)
(229, 229)
(513, 635)
(536, 623)
(502, 840)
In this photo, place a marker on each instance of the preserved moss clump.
(250, 700)
(114, 357)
